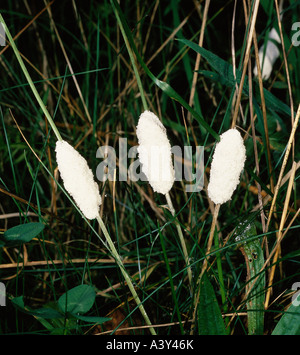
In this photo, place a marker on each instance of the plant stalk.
(181, 238)
(126, 276)
(210, 239)
(132, 59)
(205, 263)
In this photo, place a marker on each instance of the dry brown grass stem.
(198, 57)
(280, 233)
(245, 65)
(69, 65)
(286, 66)
(259, 192)
(285, 159)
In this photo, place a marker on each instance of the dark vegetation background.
(67, 251)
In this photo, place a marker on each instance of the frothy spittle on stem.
(79, 182)
(227, 164)
(226, 167)
(156, 159)
(78, 179)
(268, 54)
(155, 152)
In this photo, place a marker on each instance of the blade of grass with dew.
(254, 258)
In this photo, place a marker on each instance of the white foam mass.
(78, 179)
(268, 55)
(226, 167)
(155, 152)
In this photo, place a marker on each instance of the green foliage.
(77, 300)
(289, 323)
(246, 236)
(226, 77)
(210, 321)
(81, 69)
(61, 317)
(22, 233)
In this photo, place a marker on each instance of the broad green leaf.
(210, 321)
(18, 302)
(44, 312)
(22, 233)
(289, 323)
(79, 299)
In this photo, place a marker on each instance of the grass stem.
(181, 238)
(204, 267)
(125, 274)
(132, 58)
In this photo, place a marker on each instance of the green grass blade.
(289, 323)
(165, 87)
(225, 70)
(210, 321)
(254, 259)
(162, 242)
